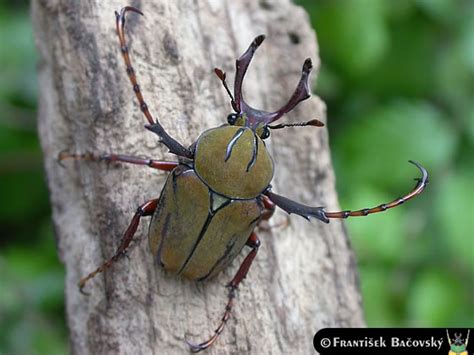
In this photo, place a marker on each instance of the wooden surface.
(304, 277)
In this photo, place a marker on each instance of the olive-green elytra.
(233, 162)
(194, 236)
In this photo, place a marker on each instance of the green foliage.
(397, 77)
(31, 277)
(384, 128)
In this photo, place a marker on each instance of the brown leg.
(174, 146)
(120, 23)
(290, 206)
(155, 164)
(146, 209)
(269, 208)
(254, 243)
(268, 213)
(420, 186)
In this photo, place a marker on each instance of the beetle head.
(259, 120)
(458, 339)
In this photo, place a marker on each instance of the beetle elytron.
(220, 184)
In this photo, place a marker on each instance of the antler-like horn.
(241, 66)
(256, 117)
(301, 93)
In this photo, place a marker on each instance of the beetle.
(458, 345)
(220, 186)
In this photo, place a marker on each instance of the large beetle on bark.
(219, 190)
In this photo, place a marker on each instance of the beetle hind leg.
(146, 209)
(254, 243)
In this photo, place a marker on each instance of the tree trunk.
(304, 277)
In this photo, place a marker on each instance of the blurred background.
(398, 80)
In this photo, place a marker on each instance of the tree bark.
(304, 277)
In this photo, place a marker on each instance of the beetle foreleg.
(290, 206)
(120, 24)
(318, 212)
(155, 164)
(254, 243)
(174, 146)
(418, 189)
(146, 209)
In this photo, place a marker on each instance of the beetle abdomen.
(233, 162)
(195, 232)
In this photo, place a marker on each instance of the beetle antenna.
(315, 123)
(222, 76)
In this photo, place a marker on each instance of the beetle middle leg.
(146, 209)
(254, 243)
(155, 164)
(270, 208)
(268, 213)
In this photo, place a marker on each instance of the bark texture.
(304, 277)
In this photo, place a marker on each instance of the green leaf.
(352, 33)
(377, 299)
(434, 298)
(375, 148)
(454, 208)
(440, 10)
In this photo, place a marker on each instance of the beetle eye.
(265, 133)
(232, 118)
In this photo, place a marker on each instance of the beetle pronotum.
(224, 177)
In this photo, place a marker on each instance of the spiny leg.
(254, 243)
(155, 164)
(146, 209)
(290, 206)
(418, 189)
(174, 146)
(304, 211)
